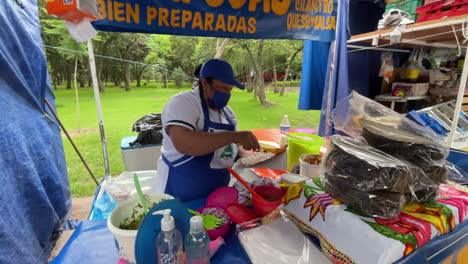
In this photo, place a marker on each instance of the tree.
(259, 88)
(159, 54)
(102, 48)
(291, 59)
(126, 46)
(178, 76)
(221, 45)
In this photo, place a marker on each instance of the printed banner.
(250, 19)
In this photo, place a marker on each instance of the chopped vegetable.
(217, 212)
(133, 222)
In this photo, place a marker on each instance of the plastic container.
(298, 147)
(125, 239)
(285, 126)
(307, 169)
(408, 6)
(139, 158)
(221, 231)
(241, 215)
(169, 243)
(269, 193)
(197, 243)
(305, 130)
(222, 197)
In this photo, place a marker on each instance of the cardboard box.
(410, 89)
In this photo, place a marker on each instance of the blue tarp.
(34, 190)
(314, 70)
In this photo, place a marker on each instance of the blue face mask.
(219, 100)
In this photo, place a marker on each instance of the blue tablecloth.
(93, 243)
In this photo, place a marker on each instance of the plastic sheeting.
(34, 189)
(336, 88)
(314, 70)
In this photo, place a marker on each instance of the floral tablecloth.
(347, 236)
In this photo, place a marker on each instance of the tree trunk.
(251, 87)
(291, 59)
(54, 81)
(275, 78)
(259, 88)
(165, 79)
(68, 79)
(99, 75)
(126, 71)
(221, 45)
(260, 82)
(138, 73)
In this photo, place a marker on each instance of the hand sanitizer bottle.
(197, 243)
(169, 244)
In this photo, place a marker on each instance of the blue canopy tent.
(34, 189)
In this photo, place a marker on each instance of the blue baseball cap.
(221, 71)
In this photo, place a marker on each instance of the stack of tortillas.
(269, 150)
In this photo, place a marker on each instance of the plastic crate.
(442, 9)
(408, 6)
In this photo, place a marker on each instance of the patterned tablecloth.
(346, 236)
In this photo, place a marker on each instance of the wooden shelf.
(435, 33)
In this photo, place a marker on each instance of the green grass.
(121, 109)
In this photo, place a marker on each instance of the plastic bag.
(103, 207)
(371, 181)
(261, 244)
(149, 128)
(456, 174)
(390, 132)
(148, 122)
(122, 187)
(148, 137)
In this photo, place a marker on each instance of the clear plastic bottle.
(197, 243)
(285, 125)
(169, 243)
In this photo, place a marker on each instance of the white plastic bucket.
(307, 169)
(125, 239)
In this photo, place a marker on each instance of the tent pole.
(97, 99)
(458, 103)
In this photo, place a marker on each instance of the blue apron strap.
(206, 113)
(227, 117)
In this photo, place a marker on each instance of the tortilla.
(256, 158)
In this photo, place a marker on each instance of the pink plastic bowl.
(221, 231)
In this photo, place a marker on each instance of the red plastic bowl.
(242, 215)
(268, 192)
(221, 231)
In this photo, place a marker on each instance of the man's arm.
(197, 143)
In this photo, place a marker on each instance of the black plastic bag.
(150, 130)
(148, 122)
(148, 137)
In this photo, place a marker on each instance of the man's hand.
(247, 140)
